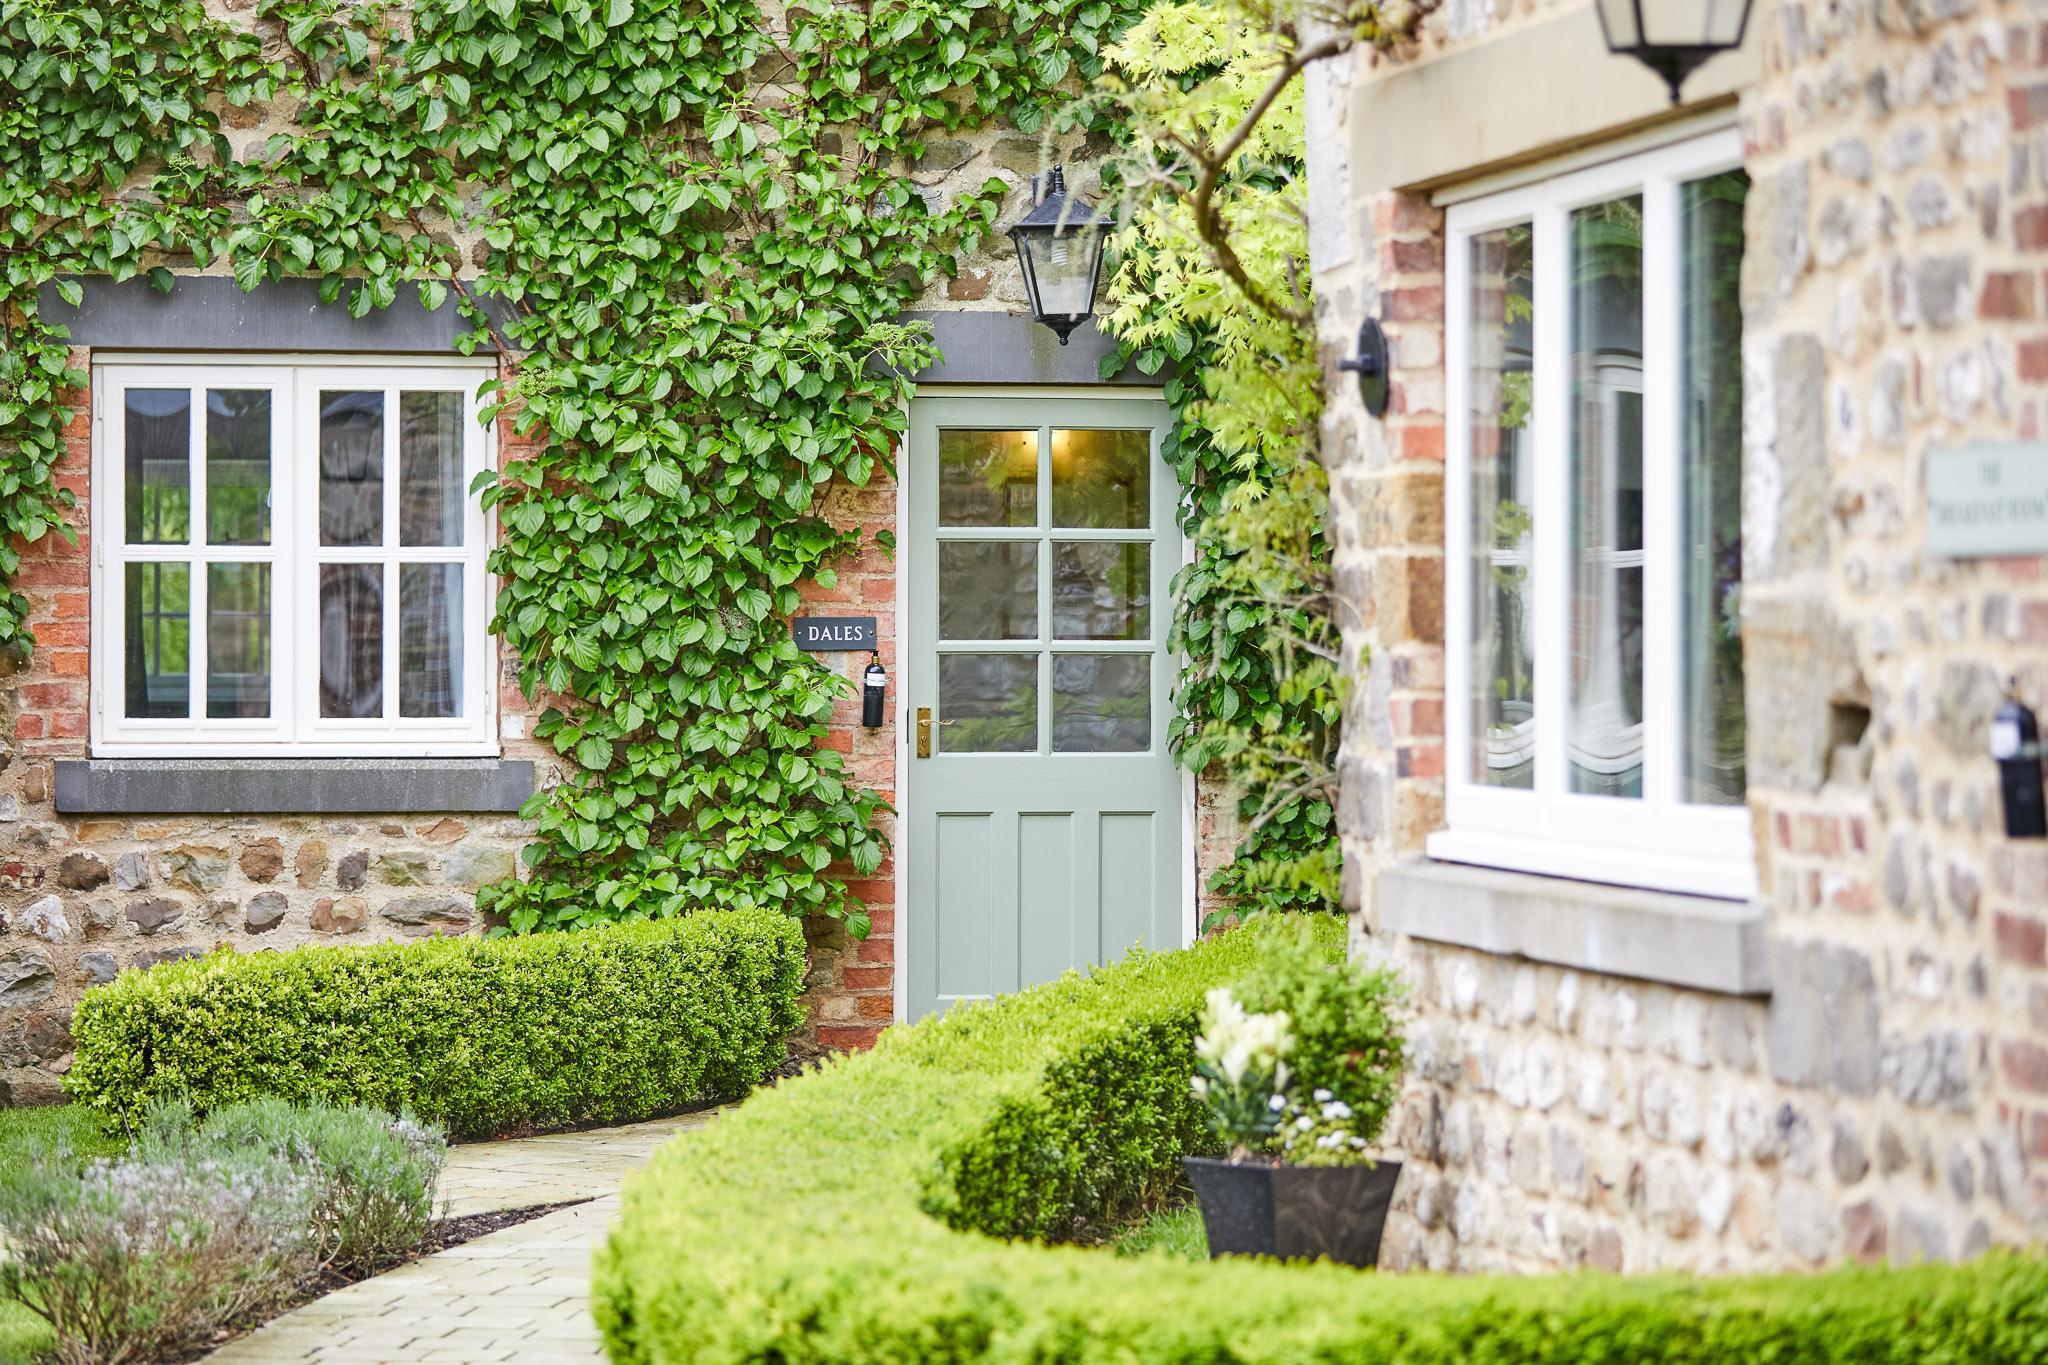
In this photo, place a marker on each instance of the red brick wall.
(51, 694)
(1406, 531)
(851, 990)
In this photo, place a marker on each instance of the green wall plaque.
(1988, 499)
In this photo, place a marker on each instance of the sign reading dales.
(820, 633)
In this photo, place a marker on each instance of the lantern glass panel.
(1675, 23)
(1724, 22)
(1062, 265)
(1618, 22)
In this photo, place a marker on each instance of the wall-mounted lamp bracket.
(1371, 366)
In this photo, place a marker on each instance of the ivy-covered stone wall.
(707, 218)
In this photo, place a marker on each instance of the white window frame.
(295, 726)
(1654, 841)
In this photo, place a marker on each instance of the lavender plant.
(374, 1175)
(138, 1259)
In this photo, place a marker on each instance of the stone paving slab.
(520, 1294)
(485, 1176)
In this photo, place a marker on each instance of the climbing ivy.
(91, 97)
(690, 223)
(689, 226)
(1261, 689)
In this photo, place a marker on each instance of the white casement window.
(1593, 525)
(287, 559)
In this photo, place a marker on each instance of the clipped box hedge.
(840, 1218)
(483, 1035)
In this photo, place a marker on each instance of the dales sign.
(822, 633)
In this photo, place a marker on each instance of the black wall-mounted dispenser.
(2016, 744)
(874, 684)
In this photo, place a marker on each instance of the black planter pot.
(1297, 1213)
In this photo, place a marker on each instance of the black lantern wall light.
(1673, 37)
(1059, 244)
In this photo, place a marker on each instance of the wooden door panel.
(968, 877)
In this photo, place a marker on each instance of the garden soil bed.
(446, 1233)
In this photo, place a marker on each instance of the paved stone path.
(522, 1294)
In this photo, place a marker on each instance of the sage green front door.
(1044, 809)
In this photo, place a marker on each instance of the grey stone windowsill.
(290, 786)
(1689, 941)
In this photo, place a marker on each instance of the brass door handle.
(924, 730)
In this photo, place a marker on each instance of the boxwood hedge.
(482, 1035)
(843, 1217)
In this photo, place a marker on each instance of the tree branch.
(462, 288)
(1210, 224)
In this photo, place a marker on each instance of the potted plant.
(1297, 1068)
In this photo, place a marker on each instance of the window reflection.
(157, 450)
(1101, 590)
(430, 640)
(430, 489)
(351, 640)
(158, 640)
(1503, 701)
(1101, 479)
(988, 590)
(238, 466)
(1606, 718)
(988, 478)
(352, 468)
(1101, 703)
(988, 703)
(238, 640)
(1712, 743)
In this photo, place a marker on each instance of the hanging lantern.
(1059, 244)
(1673, 37)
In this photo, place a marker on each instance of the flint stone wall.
(1889, 1097)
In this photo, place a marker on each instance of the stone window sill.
(1688, 941)
(290, 786)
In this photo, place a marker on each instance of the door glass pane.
(351, 640)
(237, 640)
(988, 590)
(157, 601)
(1101, 703)
(157, 453)
(1101, 590)
(1499, 374)
(1101, 478)
(1711, 744)
(237, 467)
(988, 704)
(430, 488)
(988, 478)
(430, 640)
(351, 467)
(1605, 724)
